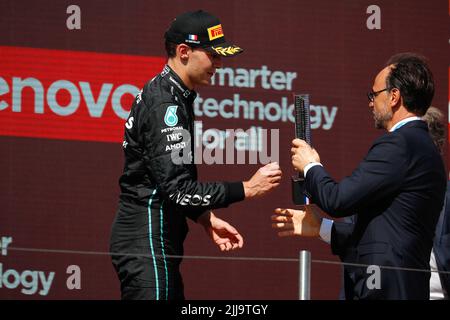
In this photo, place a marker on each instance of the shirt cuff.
(325, 230)
(309, 166)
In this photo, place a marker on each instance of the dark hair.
(411, 75)
(171, 49)
(436, 127)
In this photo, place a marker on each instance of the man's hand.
(290, 222)
(221, 232)
(302, 154)
(263, 181)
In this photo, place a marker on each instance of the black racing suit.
(158, 192)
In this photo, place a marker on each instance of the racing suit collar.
(172, 77)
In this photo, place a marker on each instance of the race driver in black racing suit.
(159, 186)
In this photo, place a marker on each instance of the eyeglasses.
(371, 95)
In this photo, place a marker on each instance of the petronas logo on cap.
(171, 118)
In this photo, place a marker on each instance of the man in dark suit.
(440, 283)
(440, 254)
(396, 192)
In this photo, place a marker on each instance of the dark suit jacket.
(441, 245)
(397, 192)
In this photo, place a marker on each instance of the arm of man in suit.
(341, 232)
(378, 175)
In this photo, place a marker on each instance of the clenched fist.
(302, 154)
